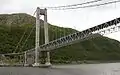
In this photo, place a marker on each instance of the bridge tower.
(37, 49)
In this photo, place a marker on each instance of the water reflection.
(82, 69)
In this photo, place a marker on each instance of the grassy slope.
(100, 48)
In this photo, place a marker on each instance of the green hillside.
(12, 27)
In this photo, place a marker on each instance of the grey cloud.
(5, 2)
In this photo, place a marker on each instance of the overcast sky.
(79, 19)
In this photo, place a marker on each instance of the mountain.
(13, 26)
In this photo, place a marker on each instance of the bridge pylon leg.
(37, 36)
(46, 37)
(25, 59)
(48, 59)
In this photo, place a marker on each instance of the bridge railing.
(12, 59)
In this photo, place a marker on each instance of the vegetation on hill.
(12, 27)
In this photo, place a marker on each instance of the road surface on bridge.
(83, 69)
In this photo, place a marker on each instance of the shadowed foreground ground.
(88, 69)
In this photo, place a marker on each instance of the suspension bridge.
(31, 57)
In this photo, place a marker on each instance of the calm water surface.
(83, 69)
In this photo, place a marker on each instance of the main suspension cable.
(72, 4)
(87, 6)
